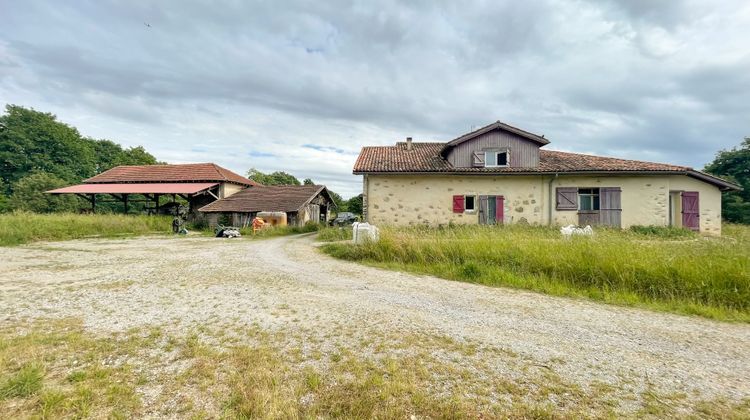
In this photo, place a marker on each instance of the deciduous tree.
(734, 165)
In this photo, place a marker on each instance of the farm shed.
(301, 203)
(199, 184)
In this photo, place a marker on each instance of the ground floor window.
(588, 199)
(469, 203)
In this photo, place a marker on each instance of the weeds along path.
(189, 285)
(585, 340)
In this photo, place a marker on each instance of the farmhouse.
(300, 204)
(199, 184)
(500, 174)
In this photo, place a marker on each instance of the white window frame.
(589, 197)
(474, 209)
(493, 154)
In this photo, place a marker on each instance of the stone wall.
(427, 199)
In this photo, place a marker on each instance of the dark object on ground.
(227, 232)
(180, 215)
(344, 218)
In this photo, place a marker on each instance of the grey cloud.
(664, 13)
(630, 78)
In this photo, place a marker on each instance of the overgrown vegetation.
(661, 269)
(333, 234)
(20, 228)
(663, 232)
(271, 232)
(59, 370)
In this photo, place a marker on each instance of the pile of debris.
(227, 232)
(573, 230)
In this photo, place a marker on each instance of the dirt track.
(287, 284)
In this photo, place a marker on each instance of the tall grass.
(335, 233)
(21, 228)
(673, 272)
(270, 232)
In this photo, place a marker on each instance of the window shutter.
(477, 159)
(458, 204)
(567, 198)
(610, 207)
(500, 209)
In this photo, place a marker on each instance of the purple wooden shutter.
(567, 198)
(458, 204)
(610, 207)
(499, 209)
(690, 210)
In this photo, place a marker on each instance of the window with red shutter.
(458, 204)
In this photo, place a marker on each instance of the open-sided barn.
(197, 183)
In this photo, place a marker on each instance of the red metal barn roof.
(137, 188)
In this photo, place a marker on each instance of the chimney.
(408, 143)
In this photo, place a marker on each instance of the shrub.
(29, 195)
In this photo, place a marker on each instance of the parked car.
(344, 219)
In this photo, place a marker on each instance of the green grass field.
(21, 228)
(662, 269)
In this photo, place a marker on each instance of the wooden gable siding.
(523, 153)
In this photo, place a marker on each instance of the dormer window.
(495, 159)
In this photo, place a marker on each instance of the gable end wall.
(523, 152)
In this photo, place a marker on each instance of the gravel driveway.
(287, 284)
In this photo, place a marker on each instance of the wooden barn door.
(484, 209)
(610, 207)
(491, 209)
(690, 210)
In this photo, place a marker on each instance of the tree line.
(39, 153)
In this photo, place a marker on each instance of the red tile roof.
(191, 172)
(287, 198)
(426, 158)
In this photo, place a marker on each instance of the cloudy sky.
(302, 87)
